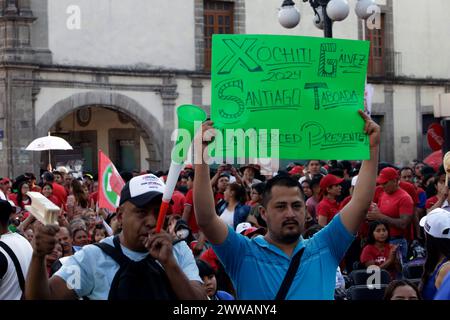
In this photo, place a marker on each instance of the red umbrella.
(434, 160)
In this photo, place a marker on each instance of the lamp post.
(326, 12)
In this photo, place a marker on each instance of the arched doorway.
(115, 123)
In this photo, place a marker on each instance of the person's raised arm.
(216, 176)
(354, 212)
(215, 230)
(38, 287)
(160, 247)
(236, 174)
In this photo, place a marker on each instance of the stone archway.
(148, 126)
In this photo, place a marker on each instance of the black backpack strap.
(290, 274)
(114, 252)
(3, 265)
(16, 262)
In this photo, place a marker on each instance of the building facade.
(109, 74)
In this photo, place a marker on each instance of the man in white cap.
(437, 265)
(97, 272)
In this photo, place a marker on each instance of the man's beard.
(290, 238)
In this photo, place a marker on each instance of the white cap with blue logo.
(437, 223)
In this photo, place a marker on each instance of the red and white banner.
(110, 183)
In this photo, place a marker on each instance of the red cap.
(5, 180)
(296, 170)
(252, 230)
(387, 174)
(329, 180)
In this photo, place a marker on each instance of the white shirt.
(2, 195)
(446, 205)
(9, 284)
(227, 217)
(340, 281)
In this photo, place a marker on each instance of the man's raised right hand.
(45, 240)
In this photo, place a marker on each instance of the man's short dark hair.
(204, 268)
(5, 212)
(48, 176)
(190, 174)
(346, 165)
(406, 168)
(280, 181)
(315, 180)
(126, 176)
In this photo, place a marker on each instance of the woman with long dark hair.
(20, 198)
(78, 201)
(234, 211)
(437, 264)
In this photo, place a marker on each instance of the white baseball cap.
(62, 169)
(437, 223)
(141, 190)
(241, 227)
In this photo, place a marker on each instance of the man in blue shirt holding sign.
(258, 266)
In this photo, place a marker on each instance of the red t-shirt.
(412, 191)
(372, 253)
(55, 200)
(36, 189)
(431, 202)
(327, 208)
(217, 197)
(378, 192)
(178, 202)
(344, 202)
(394, 205)
(93, 196)
(59, 192)
(192, 221)
(22, 204)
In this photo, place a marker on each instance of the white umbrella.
(49, 143)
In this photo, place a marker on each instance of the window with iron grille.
(218, 18)
(377, 50)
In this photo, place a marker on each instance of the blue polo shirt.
(444, 290)
(257, 268)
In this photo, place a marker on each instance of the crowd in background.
(391, 238)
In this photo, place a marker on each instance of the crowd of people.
(231, 233)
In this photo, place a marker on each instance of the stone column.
(168, 96)
(16, 83)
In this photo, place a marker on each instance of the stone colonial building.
(108, 74)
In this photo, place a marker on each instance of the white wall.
(139, 33)
(101, 121)
(422, 36)
(428, 94)
(405, 119)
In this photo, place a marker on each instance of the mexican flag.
(110, 183)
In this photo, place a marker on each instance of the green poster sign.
(292, 97)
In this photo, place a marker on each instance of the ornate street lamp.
(326, 12)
